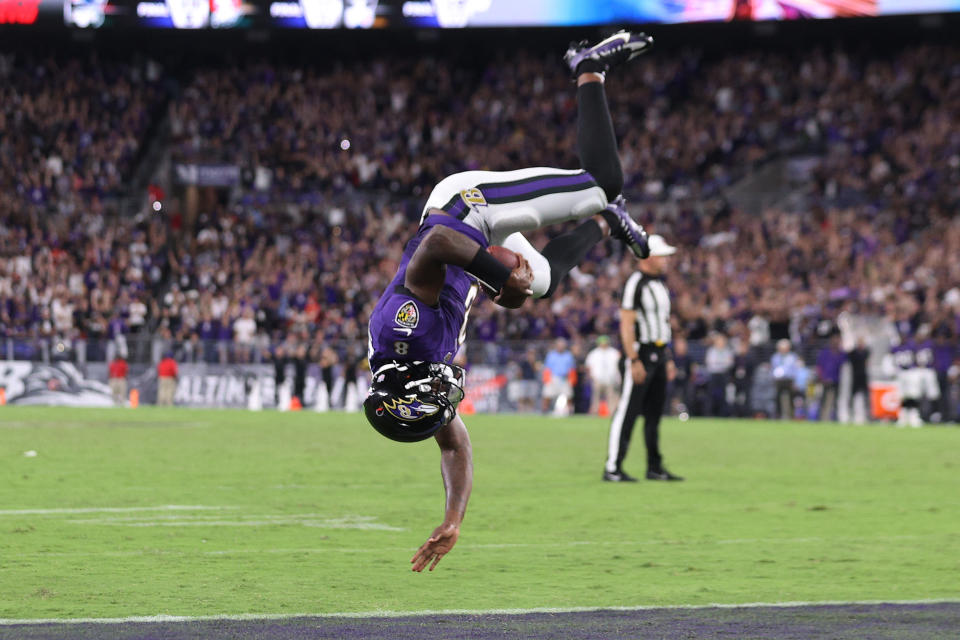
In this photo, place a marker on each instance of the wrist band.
(491, 273)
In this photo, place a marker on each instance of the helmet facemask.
(410, 401)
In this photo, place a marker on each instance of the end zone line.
(380, 613)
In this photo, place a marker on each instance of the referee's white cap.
(659, 246)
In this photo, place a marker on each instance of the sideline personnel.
(645, 334)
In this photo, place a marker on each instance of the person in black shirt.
(328, 361)
(279, 371)
(299, 371)
(680, 386)
(744, 362)
(859, 391)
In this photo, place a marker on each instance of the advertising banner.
(55, 384)
(254, 386)
(237, 386)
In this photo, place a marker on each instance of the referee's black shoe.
(617, 476)
(662, 474)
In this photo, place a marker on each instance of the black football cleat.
(663, 474)
(608, 53)
(626, 229)
(617, 476)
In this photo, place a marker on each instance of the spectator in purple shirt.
(829, 361)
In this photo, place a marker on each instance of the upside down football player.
(420, 319)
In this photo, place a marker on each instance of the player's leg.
(560, 255)
(597, 146)
(596, 140)
(502, 203)
(499, 203)
(567, 250)
(544, 196)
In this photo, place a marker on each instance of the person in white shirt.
(719, 364)
(62, 312)
(244, 330)
(138, 314)
(603, 364)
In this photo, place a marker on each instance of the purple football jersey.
(924, 354)
(905, 355)
(404, 328)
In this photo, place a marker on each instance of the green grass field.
(317, 513)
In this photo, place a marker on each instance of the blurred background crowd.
(854, 152)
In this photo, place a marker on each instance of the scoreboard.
(445, 14)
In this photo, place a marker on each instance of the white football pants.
(502, 204)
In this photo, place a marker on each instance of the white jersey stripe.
(616, 425)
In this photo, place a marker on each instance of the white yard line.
(446, 612)
(68, 511)
(316, 520)
(218, 516)
(317, 524)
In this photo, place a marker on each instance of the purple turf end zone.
(931, 621)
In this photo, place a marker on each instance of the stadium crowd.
(336, 161)
(71, 129)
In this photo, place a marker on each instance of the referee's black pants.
(645, 399)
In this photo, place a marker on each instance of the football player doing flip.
(419, 322)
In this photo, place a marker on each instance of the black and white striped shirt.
(648, 296)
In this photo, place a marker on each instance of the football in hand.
(505, 256)
(509, 298)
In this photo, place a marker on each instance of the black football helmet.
(410, 401)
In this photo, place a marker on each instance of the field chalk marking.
(161, 618)
(69, 511)
(315, 520)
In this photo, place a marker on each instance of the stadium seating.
(335, 160)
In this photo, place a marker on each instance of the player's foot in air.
(610, 52)
(626, 229)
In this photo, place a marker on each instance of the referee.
(645, 334)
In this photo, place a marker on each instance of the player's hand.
(671, 370)
(517, 288)
(437, 545)
(638, 372)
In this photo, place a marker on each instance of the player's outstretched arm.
(456, 467)
(442, 246)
